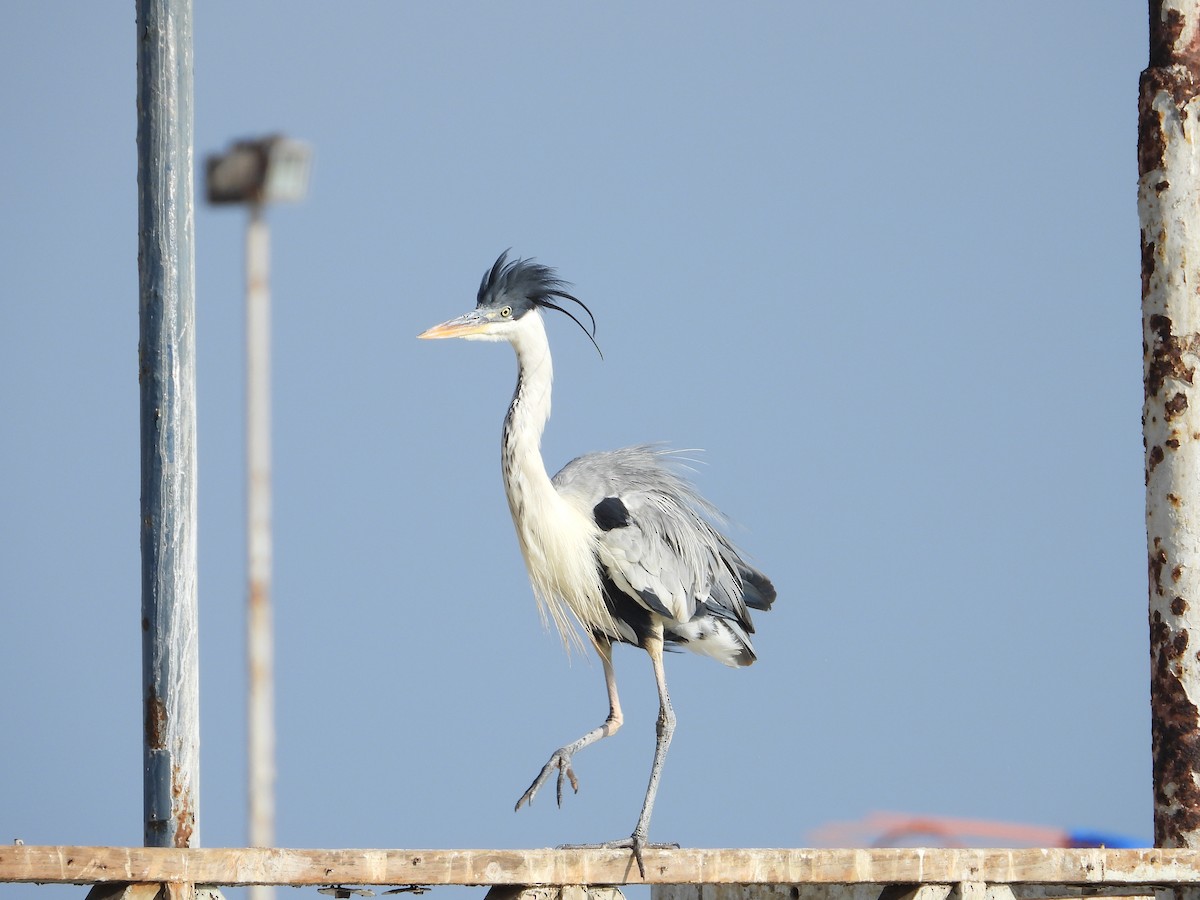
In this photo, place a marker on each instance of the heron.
(620, 547)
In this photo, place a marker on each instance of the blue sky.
(879, 261)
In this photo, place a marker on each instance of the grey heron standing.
(617, 543)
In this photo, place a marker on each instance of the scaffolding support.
(1169, 212)
(167, 379)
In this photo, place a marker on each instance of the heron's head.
(509, 292)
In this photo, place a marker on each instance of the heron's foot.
(635, 842)
(560, 760)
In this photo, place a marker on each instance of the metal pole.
(167, 378)
(260, 651)
(1169, 210)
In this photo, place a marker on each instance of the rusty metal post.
(1169, 210)
(259, 640)
(167, 378)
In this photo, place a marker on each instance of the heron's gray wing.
(655, 542)
(639, 552)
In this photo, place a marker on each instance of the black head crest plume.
(523, 284)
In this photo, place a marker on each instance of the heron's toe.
(560, 760)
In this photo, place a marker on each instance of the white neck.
(530, 406)
(556, 539)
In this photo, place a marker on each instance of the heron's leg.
(561, 758)
(664, 729)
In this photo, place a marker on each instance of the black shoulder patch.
(611, 513)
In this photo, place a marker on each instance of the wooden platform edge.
(229, 867)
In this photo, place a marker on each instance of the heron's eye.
(506, 312)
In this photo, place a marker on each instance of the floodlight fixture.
(273, 169)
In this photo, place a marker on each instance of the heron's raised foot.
(635, 842)
(560, 760)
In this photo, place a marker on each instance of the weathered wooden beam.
(816, 891)
(554, 892)
(810, 891)
(813, 891)
(168, 891)
(246, 866)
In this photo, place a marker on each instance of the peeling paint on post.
(1169, 210)
(166, 375)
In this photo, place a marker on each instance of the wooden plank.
(242, 866)
(809, 891)
(816, 891)
(554, 892)
(153, 891)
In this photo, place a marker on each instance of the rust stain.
(1152, 143)
(1175, 734)
(185, 820)
(1148, 248)
(1166, 360)
(1154, 457)
(1165, 31)
(1176, 574)
(1172, 69)
(258, 593)
(1179, 643)
(1158, 559)
(1174, 500)
(1167, 27)
(156, 722)
(1176, 406)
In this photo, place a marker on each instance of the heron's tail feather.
(757, 590)
(715, 635)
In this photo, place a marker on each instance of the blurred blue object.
(1087, 838)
